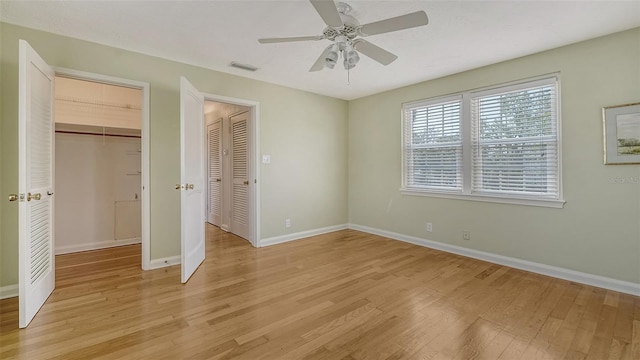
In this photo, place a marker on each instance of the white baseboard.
(8, 291)
(164, 262)
(553, 271)
(300, 235)
(95, 245)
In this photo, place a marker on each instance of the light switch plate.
(266, 159)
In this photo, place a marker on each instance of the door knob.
(13, 197)
(189, 186)
(218, 180)
(246, 182)
(179, 186)
(35, 196)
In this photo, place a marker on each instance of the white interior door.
(192, 176)
(214, 173)
(35, 178)
(240, 175)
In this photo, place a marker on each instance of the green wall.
(305, 134)
(598, 230)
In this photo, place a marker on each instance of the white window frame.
(467, 192)
(428, 103)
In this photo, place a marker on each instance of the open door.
(35, 182)
(192, 178)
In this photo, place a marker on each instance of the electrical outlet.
(429, 227)
(287, 223)
(466, 235)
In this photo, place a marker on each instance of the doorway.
(231, 148)
(98, 171)
(101, 163)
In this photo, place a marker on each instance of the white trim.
(8, 291)
(96, 245)
(255, 233)
(548, 270)
(300, 235)
(552, 203)
(164, 262)
(145, 136)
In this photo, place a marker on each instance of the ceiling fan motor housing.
(348, 30)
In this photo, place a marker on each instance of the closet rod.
(118, 106)
(97, 134)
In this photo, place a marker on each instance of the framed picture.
(621, 134)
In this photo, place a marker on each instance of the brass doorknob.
(179, 186)
(189, 186)
(246, 182)
(13, 197)
(35, 196)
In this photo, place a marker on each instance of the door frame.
(144, 132)
(254, 168)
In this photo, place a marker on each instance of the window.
(434, 145)
(500, 144)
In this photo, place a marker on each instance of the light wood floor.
(344, 295)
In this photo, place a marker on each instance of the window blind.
(515, 141)
(433, 145)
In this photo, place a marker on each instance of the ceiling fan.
(345, 32)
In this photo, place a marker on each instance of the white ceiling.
(461, 35)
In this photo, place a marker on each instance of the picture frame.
(621, 130)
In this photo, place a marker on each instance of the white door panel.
(35, 178)
(240, 184)
(192, 177)
(214, 162)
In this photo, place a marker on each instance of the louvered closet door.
(240, 174)
(214, 152)
(35, 178)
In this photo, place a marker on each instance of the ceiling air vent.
(243, 66)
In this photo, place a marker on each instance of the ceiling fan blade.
(290, 39)
(319, 64)
(375, 52)
(328, 11)
(418, 18)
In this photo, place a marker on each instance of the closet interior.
(98, 176)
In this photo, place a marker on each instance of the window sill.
(558, 204)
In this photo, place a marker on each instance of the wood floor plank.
(342, 295)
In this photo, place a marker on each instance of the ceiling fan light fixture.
(352, 57)
(348, 65)
(331, 58)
